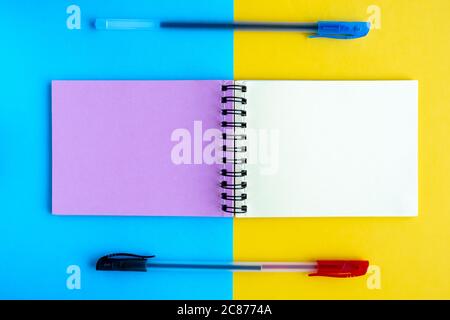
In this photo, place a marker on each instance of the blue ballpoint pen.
(321, 29)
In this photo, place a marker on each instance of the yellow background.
(413, 253)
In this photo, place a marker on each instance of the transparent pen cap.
(126, 24)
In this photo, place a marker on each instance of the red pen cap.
(340, 268)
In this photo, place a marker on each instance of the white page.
(332, 148)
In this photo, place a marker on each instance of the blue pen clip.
(341, 30)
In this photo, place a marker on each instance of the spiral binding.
(234, 154)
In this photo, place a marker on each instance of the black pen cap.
(122, 262)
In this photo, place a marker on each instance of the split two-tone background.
(44, 256)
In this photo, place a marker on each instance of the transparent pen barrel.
(235, 266)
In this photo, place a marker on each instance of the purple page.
(113, 146)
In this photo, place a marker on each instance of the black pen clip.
(122, 262)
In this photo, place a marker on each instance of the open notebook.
(235, 148)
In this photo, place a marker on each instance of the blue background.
(35, 247)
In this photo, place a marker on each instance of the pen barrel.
(235, 266)
(289, 266)
(212, 266)
(261, 26)
(147, 24)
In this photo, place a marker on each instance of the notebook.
(252, 148)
